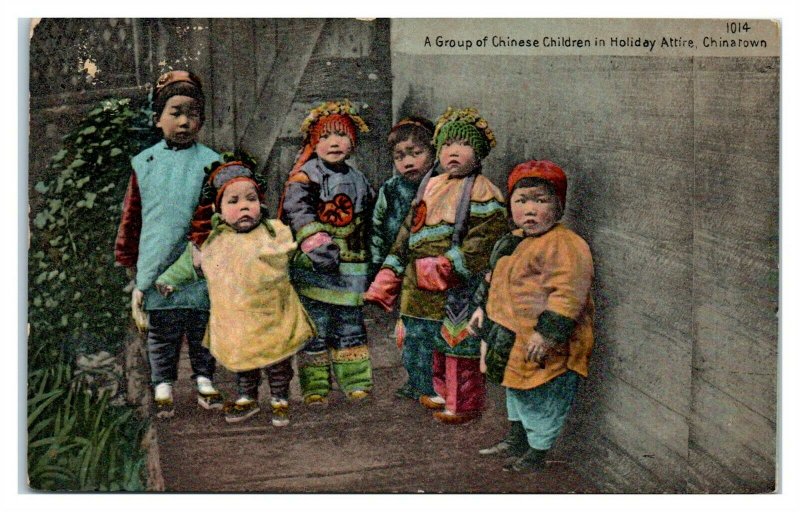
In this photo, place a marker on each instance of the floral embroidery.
(337, 212)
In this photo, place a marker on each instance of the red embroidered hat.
(542, 169)
(177, 83)
(326, 118)
(231, 172)
(175, 76)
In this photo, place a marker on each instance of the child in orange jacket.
(537, 317)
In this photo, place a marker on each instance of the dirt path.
(385, 445)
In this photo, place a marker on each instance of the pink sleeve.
(385, 289)
(435, 274)
(316, 240)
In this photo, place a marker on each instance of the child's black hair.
(179, 89)
(537, 182)
(418, 129)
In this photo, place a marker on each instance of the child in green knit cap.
(439, 257)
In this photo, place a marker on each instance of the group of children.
(477, 301)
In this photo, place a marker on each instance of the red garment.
(385, 289)
(435, 274)
(460, 382)
(126, 246)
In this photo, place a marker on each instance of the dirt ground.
(385, 445)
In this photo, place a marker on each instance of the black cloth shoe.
(514, 445)
(532, 462)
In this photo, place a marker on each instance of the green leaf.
(60, 155)
(76, 163)
(88, 130)
(115, 152)
(41, 219)
(36, 412)
(38, 428)
(90, 197)
(40, 187)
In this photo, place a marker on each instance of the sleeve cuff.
(393, 263)
(555, 327)
(308, 230)
(456, 257)
(481, 295)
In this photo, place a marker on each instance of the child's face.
(457, 158)
(412, 160)
(334, 147)
(534, 209)
(180, 119)
(239, 207)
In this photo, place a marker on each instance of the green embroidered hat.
(465, 124)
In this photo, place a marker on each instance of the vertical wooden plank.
(223, 77)
(265, 35)
(201, 47)
(347, 38)
(162, 33)
(244, 66)
(298, 39)
(735, 266)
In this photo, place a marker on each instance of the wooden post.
(244, 76)
(221, 88)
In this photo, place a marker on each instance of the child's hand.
(137, 310)
(165, 289)
(197, 257)
(538, 346)
(476, 322)
(484, 347)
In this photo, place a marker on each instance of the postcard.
(457, 256)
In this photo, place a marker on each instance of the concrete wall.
(673, 168)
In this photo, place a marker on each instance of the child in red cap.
(536, 316)
(327, 203)
(256, 320)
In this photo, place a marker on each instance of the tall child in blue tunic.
(411, 142)
(161, 198)
(327, 204)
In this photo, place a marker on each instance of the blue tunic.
(392, 206)
(169, 185)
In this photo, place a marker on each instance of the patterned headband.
(227, 172)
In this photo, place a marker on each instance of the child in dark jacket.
(437, 261)
(411, 142)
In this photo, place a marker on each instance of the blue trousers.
(164, 338)
(418, 335)
(543, 409)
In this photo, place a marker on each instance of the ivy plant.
(76, 301)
